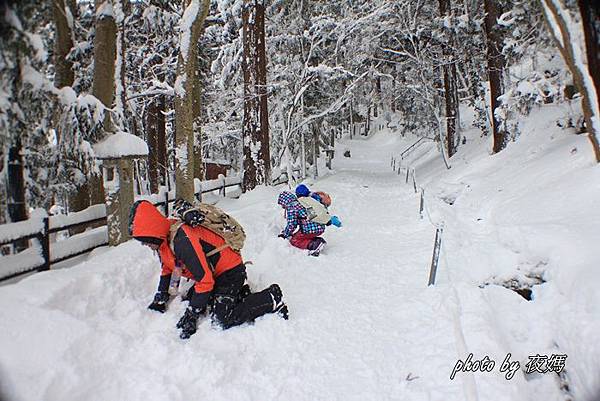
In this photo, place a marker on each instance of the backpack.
(316, 210)
(220, 223)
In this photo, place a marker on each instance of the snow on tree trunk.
(450, 88)
(255, 126)
(568, 37)
(496, 65)
(190, 29)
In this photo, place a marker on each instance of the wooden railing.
(42, 253)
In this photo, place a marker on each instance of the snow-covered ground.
(363, 323)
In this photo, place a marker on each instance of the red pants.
(300, 240)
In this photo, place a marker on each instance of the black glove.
(193, 217)
(188, 322)
(282, 236)
(186, 212)
(160, 302)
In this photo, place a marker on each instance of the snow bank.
(364, 325)
(525, 215)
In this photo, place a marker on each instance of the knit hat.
(302, 190)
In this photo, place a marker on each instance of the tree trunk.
(105, 53)
(581, 77)
(368, 126)
(63, 43)
(17, 209)
(496, 65)
(187, 63)
(450, 87)
(198, 156)
(257, 159)
(351, 120)
(157, 144)
(590, 18)
(103, 85)
(64, 76)
(315, 152)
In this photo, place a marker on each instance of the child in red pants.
(307, 236)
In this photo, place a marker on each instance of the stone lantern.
(117, 153)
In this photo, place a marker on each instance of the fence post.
(422, 203)
(414, 181)
(407, 170)
(436, 255)
(45, 243)
(224, 194)
(394, 165)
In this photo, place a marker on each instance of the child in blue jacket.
(307, 234)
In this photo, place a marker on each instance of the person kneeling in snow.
(307, 236)
(302, 193)
(221, 274)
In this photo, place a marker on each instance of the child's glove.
(282, 236)
(335, 221)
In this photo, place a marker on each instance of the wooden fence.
(41, 255)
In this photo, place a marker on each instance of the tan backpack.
(220, 223)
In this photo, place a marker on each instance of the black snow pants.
(227, 309)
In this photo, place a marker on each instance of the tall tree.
(564, 30)
(24, 121)
(496, 66)
(255, 128)
(590, 18)
(63, 13)
(105, 53)
(450, 85)
(103, 84)
(190, 26)
(157, 144)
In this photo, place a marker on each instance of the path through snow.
(363, 324)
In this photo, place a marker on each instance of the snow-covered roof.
(120, 144)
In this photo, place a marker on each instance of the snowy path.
(363, 325)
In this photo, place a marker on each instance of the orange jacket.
(190, 246)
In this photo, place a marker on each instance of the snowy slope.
(364, 325)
